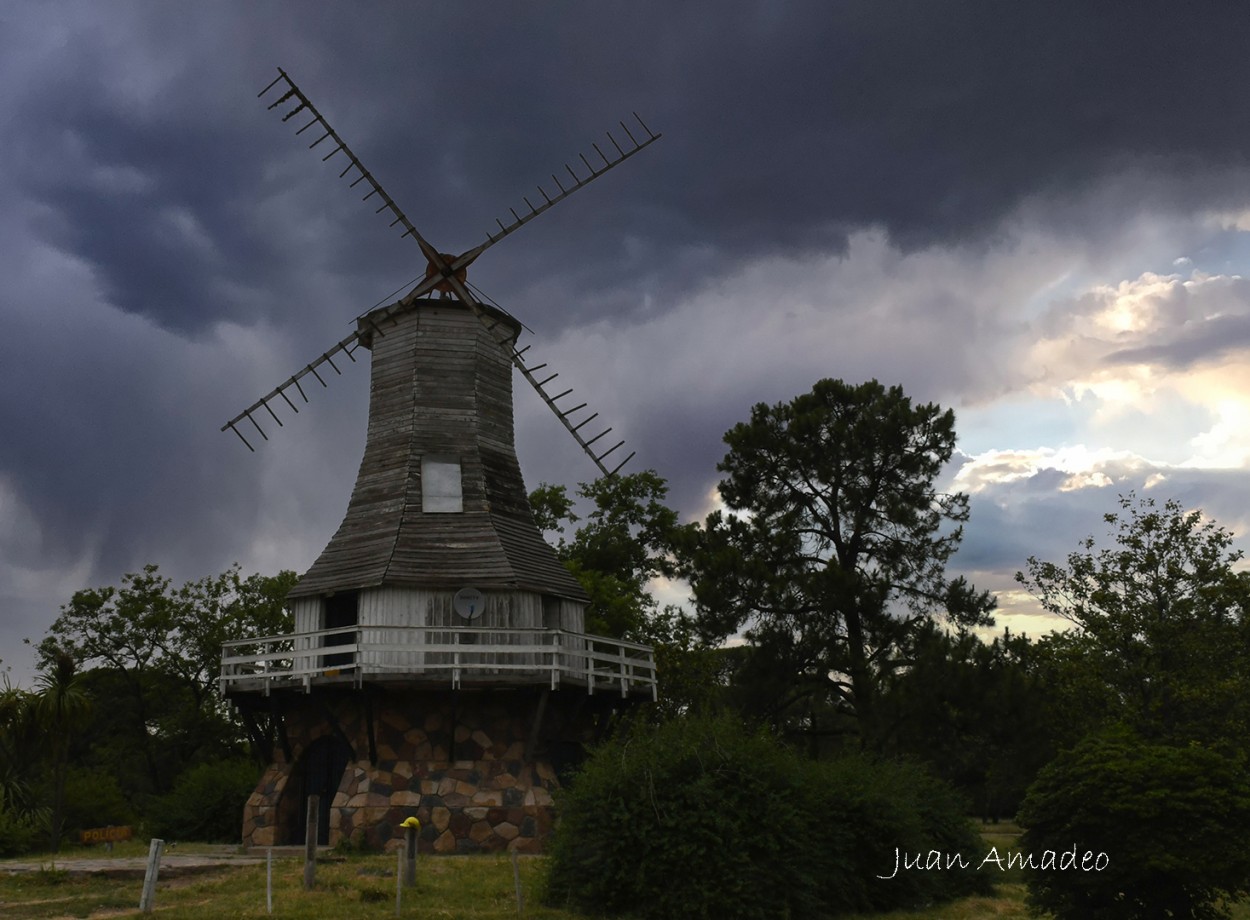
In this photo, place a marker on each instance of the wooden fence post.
(516, 880)
(310, 842)
(155, 848)
(410, 857)
(399, 881)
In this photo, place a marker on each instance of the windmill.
(439, 664)
(445, 273)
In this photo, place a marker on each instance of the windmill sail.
(446, 272)
(576, 182)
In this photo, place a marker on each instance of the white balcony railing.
(450, 655)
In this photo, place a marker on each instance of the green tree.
(206, 801)
(1160, 638)
(834, 550)
(693, 675)
(1151, 685)
(121, 630)
(94, 798)
(218, 609)
(975, 713)
(627, 540)
(154, 654)
(19, 736)
(1172, 821)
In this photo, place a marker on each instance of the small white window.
(440, 484)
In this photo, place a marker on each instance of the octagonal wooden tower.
(439, 665)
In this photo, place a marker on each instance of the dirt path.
(172, 865)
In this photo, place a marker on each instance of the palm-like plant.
(15, 737)
(61, 709)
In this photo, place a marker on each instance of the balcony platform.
(452, 657)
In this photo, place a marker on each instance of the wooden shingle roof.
(441, 386)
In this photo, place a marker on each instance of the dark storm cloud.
(172, 251)
(114, 451)
(687, 447)
(931, 120)
(786, 127)
(1011, 521)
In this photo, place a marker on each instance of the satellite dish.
(469, 603)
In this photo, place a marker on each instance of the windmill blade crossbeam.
(328, 132)
(345, 346)
(550, 201)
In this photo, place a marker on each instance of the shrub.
(18, 832)
(93, 798)
(697, 818)
(886, 810)
(206, 802)
(1173, 821)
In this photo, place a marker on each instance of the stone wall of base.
(260, 814)
(457, 764)
(464, 807)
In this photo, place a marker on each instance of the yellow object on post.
(411, 826)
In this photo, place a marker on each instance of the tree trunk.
(862, 686)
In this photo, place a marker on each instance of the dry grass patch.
(357, 887)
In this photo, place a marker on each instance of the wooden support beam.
(369, 726)
(279, 725)
(531, 743)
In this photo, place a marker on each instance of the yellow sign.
(106, 834)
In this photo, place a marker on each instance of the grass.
(356, 887)
(56, 894)
(451, 887)
(1007, 903)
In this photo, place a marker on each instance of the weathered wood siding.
(570, 616)
(440, 385)
(393, 607)
(384, 609)
(307, 613)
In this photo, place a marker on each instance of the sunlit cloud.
(1079, 467)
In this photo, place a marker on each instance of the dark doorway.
(342, 609)
(319, 771)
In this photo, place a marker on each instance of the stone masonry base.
(456, 763)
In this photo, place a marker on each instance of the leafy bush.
(18, 833)
(206, 802)
(1173, 821)
(882, 812)
(697, 818)
(93, 798)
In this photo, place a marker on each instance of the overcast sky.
(1037, 214)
